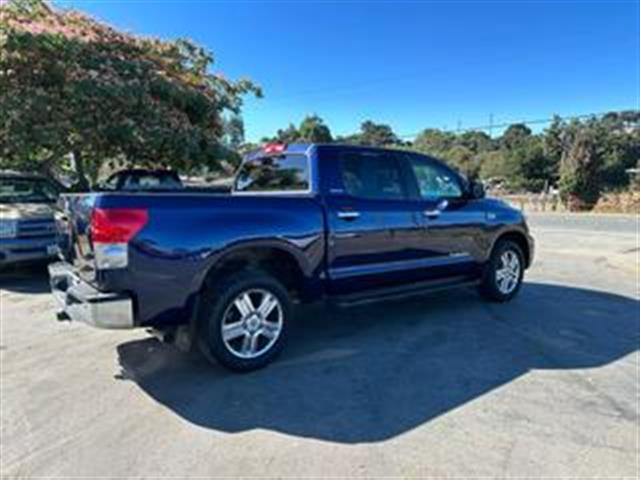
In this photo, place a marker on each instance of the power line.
(492, 125)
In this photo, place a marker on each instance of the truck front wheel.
(503, 273)
(245, 320)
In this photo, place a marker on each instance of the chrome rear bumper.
(81, 302)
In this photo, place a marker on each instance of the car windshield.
(26, 190)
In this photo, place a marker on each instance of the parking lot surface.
(440, 385)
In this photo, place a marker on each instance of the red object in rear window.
(117, 225)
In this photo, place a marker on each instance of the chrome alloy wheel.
(508, 275)
(252, 323)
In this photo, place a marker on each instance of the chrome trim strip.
(348, 215)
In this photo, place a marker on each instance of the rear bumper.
(17, 250)
(82, 302)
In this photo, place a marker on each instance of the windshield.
(284, 173)
(26, 190)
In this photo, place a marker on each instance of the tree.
(515, 135)
(492, 165)
(234, 131)
(463, 159)
(376, 134)
(579, 183)
(475, 141)
(528, 168)
(288, 135)
(617, 142)
(434, 142)
(71, 84)
(313, 130)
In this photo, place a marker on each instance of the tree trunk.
(46, 168)
(82, 183)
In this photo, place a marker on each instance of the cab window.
(371, 175)
(435, 181)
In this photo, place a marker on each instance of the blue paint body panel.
(391, 243)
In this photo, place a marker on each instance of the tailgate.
(73, 221)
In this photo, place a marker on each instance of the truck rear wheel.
(245, 320)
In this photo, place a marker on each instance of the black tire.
(219, 303)
(490, 288)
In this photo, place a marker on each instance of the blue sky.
(410, 64)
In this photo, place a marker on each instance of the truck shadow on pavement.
(370, 373)
(25, 279)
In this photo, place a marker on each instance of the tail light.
(111, 231)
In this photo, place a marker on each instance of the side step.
(392, 293)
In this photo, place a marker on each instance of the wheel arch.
(520, 239)
(275, 258)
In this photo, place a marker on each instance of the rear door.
(374, 228)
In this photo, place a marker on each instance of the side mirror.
(476, 189)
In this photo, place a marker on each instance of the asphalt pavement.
(441, 385)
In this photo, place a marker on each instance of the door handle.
(432, 213)
(348, 215)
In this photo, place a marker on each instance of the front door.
(452, 222)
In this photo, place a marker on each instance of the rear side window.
(284, 173)
(371, 175)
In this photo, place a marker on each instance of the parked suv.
(303, 223)
(27, 229)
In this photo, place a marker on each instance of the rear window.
(283, 173)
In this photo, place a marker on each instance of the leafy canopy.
(69, 83)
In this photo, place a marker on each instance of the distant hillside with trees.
(583, 158)
(76, 95)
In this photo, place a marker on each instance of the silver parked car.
(27, 227)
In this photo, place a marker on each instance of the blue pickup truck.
(303, 223)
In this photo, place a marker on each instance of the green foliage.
(527, 166)
(313, 130)
(234, 132)
(514, 136)
(493, 165)
(376, 134)
(434, 142)
(476, 141)
(463, 159)
(71, 84)
(579, 183)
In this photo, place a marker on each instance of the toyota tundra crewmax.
(303, 223)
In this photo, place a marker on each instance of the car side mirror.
(476, 190)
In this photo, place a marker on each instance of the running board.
(392, 293)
